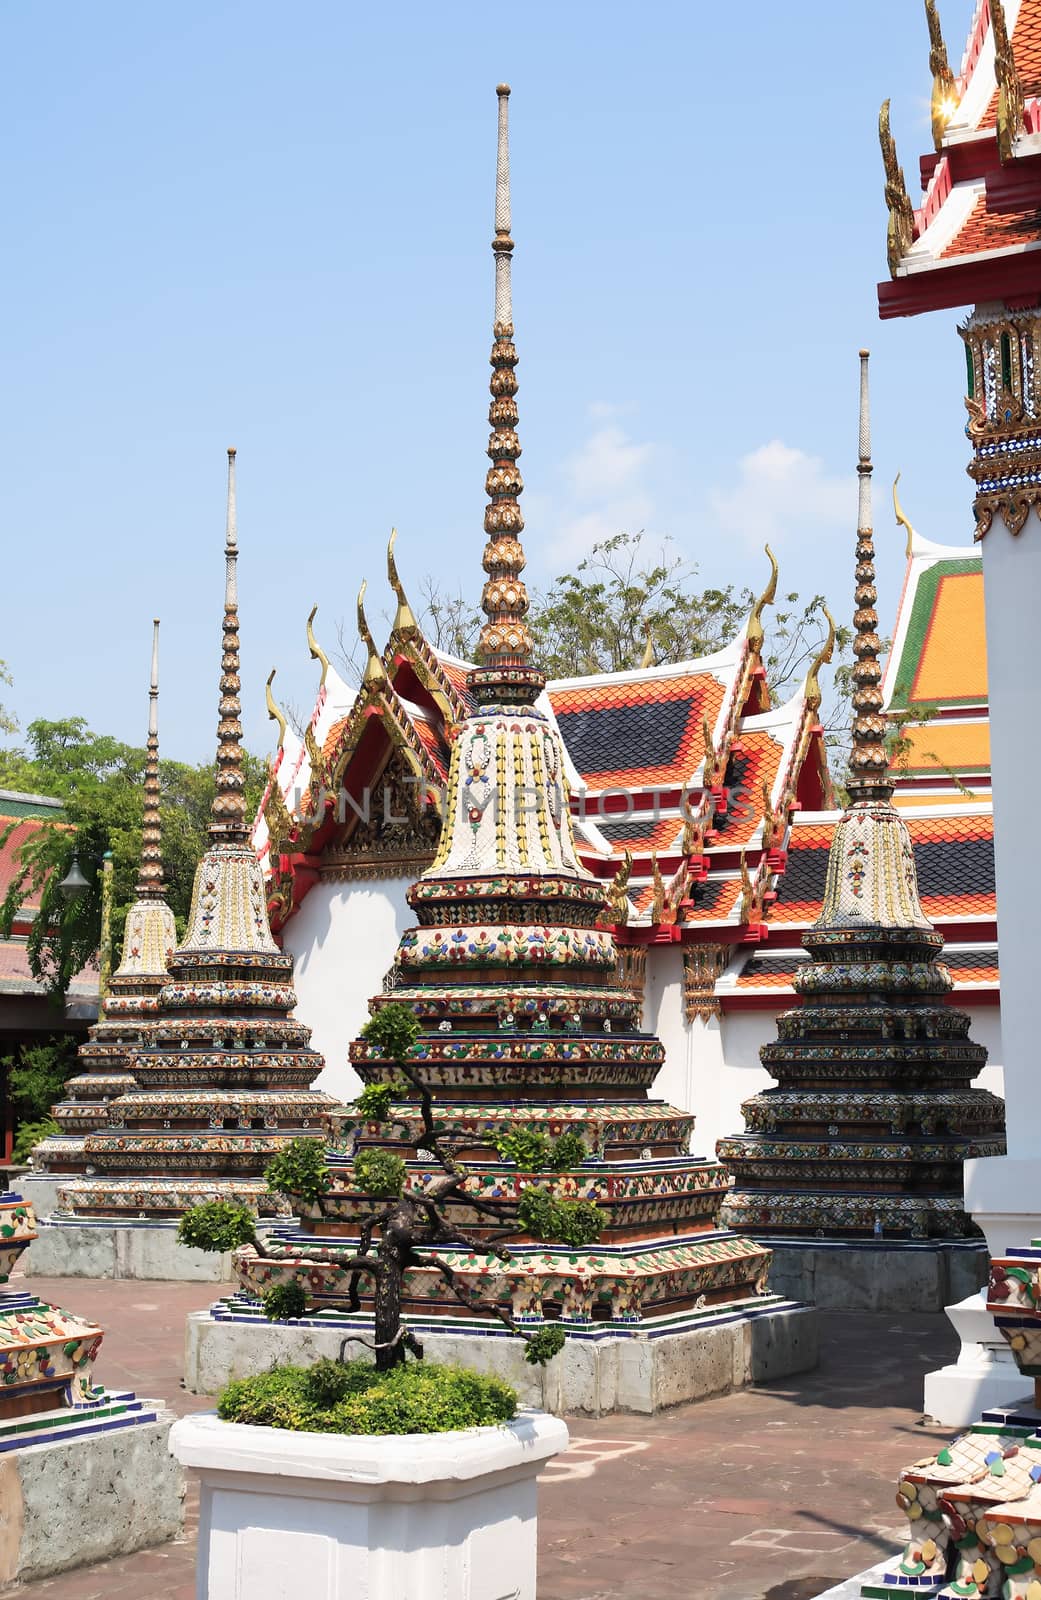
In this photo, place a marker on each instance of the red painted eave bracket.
(964, 283)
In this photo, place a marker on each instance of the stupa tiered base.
(603, 1368)
(70, 1446)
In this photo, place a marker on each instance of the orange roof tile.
(954, 856)
(954, 746)
(656, 720)
(757, 764)
(993, 230)
(953, 661)
(1026, 48)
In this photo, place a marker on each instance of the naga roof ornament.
(317, 653)
(756, 633)
(898, 202)
(945, 89)
(405, 618)
(274, 711)
(1010, 89)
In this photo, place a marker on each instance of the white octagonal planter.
(443, 1516)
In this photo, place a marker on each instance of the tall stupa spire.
(150, 885)
(228, 816)
(868, 762)
(504, 650)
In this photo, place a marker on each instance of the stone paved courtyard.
(773, 1494)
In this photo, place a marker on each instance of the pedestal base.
(99, 1486)
(41, 1189)
(1000, 1195)
(983, 1378)
(598, 1371)
(873, 1275)
(67, 1249)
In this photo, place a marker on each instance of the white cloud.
(606, 465)
(603, 490)
(781, 491)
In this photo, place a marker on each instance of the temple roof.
(954, 858)
(643, 780)
(936, 678)
(981, 201)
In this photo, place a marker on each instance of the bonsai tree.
(408, 1226)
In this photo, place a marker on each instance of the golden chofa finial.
(647, 659)
(901, 519)
(273, 710)
(813, 688)
(618, 903)
(945, 90)
(900, 233)
(317, 653)
(404, 619)
(756, 634)
(1010, 90)
(658, 896)
(374, 672)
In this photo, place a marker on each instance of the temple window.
(1006, 360)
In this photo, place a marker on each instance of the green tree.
(99, 781)
(622, 598)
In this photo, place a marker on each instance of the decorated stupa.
(874, 1112)
(130, 1005)
(222, 1077)
(512, 973)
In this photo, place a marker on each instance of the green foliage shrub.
(217, 1225)
(284, 1301)
(567, 1150)
(375, 1100)
(573, 1222)
(393, 1030)
(299, 1170)
(533, 1151)
(527, 1147)
(380, 1173)
(544, 1344)
(29, 1135)
(421, 1397)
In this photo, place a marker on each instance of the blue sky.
(268, 226)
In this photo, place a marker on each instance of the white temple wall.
(343, 939)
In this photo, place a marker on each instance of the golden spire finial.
(945, 90)
(756, 633)
(150, 884)
(273, 710)
(868, 762)
(404, 619)
(374, 672)
(900, 234)
(1010, 89)
(813, 688)
(228, 812)
(902, 520)
(317, 653)
(505, 645)
(647, 659)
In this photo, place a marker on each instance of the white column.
(1003, 1193)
